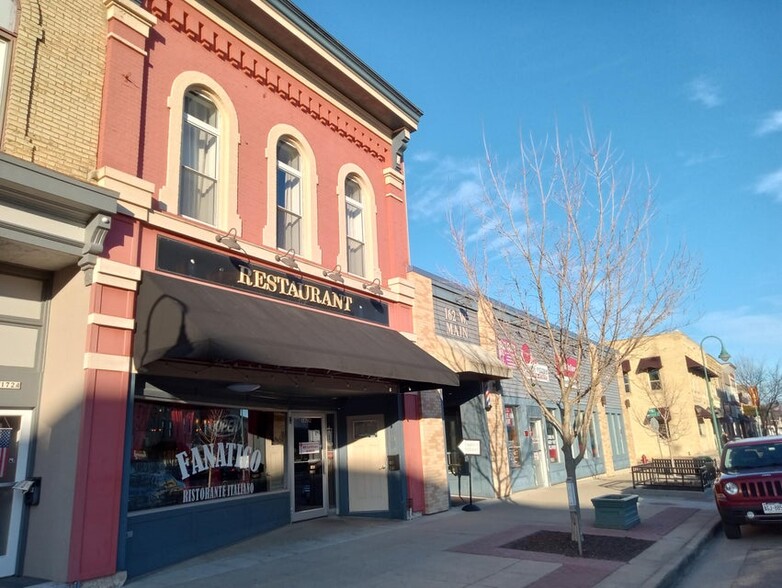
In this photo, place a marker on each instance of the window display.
(514, 443)
(187, 454)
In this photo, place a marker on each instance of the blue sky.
(690, 91)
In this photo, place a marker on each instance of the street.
(753, 560)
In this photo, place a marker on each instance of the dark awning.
(649, 363)
(702, 412)
(181, 320)
(696, 368)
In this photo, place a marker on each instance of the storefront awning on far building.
(469, 359)
(649, 363)
(695, 367)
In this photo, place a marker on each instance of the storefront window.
(188, 454)
(551, 442)
(514, 444)
(453, 436)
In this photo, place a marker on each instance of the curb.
(669, 576)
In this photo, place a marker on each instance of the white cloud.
(692, 159)
(771, 124)
(745, 332)
(705, 92)
(770, 184)
(442, 184)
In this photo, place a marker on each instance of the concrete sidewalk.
(460, 549)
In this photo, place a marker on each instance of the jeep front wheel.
(731, 531)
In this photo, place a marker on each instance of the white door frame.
(315, 512)
(8, 560)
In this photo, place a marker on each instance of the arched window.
(357, 219)
(199, 160)
(292, 201)
(289, 197)
(354, 226)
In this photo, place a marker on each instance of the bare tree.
(572, 239)
(766, 380)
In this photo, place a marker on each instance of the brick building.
(665, 392)
(205, 267)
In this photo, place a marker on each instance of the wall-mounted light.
(603, 400)
(627, 403)
(374, 287)
(289, 259)
(335, 274)
(229, 240)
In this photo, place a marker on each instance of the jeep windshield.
(749, 457)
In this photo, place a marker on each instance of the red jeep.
(748, 490)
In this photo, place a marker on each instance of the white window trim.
(369, 208)
(226, 207)
(298, 174)
(6, 47)
(189, 119)
(310, 246)
(359, 206)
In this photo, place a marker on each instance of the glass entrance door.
(310, 474)
(14, 446)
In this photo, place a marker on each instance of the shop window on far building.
(616, 431)
(552, 444)
(514, 441)
(453, 436)
(189, 454)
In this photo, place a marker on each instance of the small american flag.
(5, 444)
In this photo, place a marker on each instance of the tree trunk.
(574, 505)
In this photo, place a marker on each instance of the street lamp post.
(724, 356)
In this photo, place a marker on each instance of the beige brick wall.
(55, 85)
(681, 392)
(436, 492)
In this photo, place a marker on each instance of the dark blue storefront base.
(616, 511)
(159, 538)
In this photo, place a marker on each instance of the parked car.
(748, 489)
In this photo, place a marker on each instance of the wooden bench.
(679, 473)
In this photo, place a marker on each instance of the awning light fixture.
(289, 259)
(335, 274)
(374, 287)
(229, 240)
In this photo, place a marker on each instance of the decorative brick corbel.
(94, 236)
